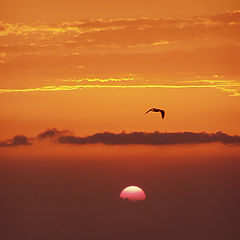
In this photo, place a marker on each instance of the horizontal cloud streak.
(75, 87)
(230, 86)
(134, 138)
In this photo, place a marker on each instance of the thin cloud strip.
(232, 87)
(103, 80)
(69, 88)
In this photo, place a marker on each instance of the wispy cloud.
(75, 27)
(52, 133)
(75, 87)
(102, 80)
(232, 87)
(121, 32)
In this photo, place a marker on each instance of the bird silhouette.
(156, 110)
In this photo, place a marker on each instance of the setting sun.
(133, 193)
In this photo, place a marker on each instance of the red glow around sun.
(133, 193)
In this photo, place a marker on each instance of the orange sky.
(34, 10)
(92, 69)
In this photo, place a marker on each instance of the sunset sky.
(100, 70)
(76, 78)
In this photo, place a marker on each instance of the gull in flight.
(156, 110)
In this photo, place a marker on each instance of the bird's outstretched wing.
(148, 111)
(162, 113)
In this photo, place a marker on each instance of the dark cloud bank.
(108, 138)
(16, 141)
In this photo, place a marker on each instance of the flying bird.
(156, 110)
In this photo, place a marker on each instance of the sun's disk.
(133, 193)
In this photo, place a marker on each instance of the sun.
(133, 193)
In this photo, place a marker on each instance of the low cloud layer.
(155, 138)
(108, 138)
(19, 140)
